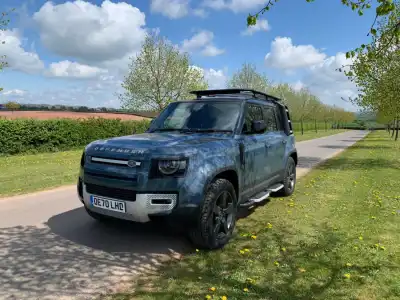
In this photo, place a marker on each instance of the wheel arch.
(228, 173)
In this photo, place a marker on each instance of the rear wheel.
(289, 180)
(217, 218)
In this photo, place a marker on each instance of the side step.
(257, 198)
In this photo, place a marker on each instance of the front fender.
(204, 169)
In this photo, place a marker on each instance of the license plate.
(108, 204)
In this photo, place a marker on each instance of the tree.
(160, 74)
(376, 71)
(384, 8)
(248, 78)
(12, 105)
(3, 26)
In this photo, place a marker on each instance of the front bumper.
(146, 206)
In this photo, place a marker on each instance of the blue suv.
(198, 163)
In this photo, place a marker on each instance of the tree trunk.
(397, 130)
(394, 127)
(302, 128)
(326, 126)
(315, 125)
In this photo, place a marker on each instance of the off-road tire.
(287, 189)
(200, 235)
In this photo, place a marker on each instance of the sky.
(78, 52)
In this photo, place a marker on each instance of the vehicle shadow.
(75, 256)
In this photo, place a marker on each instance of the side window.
(279, 119)
(270, 118)
(254, 112)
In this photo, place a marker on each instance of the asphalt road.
(50, 248)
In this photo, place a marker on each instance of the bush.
(32, 136)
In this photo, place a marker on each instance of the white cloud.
(326, 82)
(68, 69)
(261, 25)
(90, 33)
(173, 9)
(201, 41)
(15, 92)
(235, 5)
(284, 55)
(199, 12)
(211, 50)
(217, 79)
(16, 56)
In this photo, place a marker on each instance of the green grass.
(22, 174)
(337, 237)
(308, 135)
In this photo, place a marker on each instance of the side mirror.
(258, 126)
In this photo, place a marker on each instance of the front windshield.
(198, 116)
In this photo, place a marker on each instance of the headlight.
(169, 167)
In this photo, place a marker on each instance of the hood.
(160, 142)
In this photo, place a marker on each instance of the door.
(275, 139)
(255, 151)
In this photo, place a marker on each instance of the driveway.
(51, 249)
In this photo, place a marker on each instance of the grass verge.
(337, 237)
(22, 174)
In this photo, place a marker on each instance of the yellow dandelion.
(269, 225)
(241, 251)
(383, 247)
(246, 290)
(276, 263)
(360, 238)
(212, 289)
(373, 217)
(253, 237)
(283, 249)
(208, 297)
(246, 250)
(224, 298)
(348, 264)
(302, 270)
(347, 275)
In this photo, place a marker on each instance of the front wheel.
(217, 218)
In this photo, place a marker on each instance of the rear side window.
(279, 119)
(270, 118)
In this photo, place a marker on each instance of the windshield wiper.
(165, 129)
(187, 130)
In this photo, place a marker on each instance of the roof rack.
(255, 94)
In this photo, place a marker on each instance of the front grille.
(104, 191)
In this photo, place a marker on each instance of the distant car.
(196, 165)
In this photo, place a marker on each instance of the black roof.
(242, 93)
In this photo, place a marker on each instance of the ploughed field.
(45, 115)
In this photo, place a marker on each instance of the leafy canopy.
(160, 74)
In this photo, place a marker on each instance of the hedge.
(32, 136)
